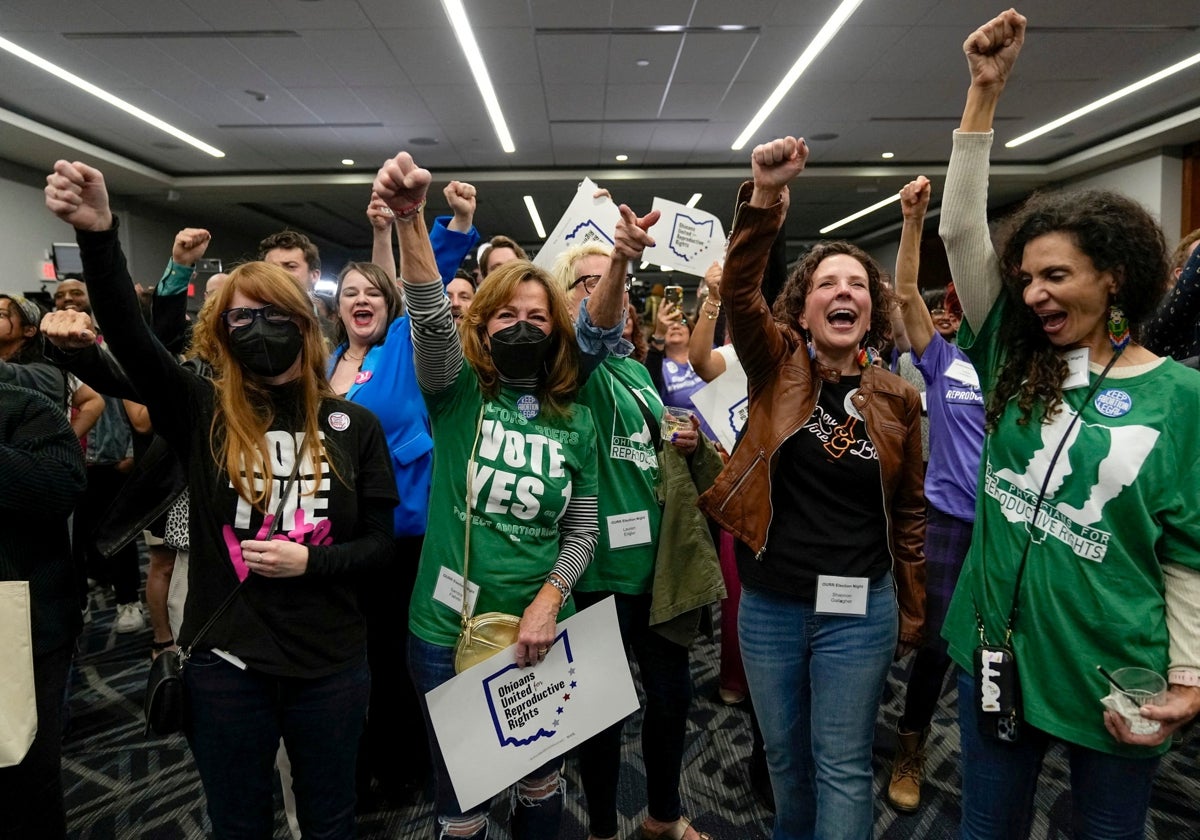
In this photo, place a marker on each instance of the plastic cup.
(675, 420)
(1139, 687)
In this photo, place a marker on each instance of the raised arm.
(380, 217)
(991, 53)
(75, 192)
(453, 237)
(168, 306)
(918, 323)
(438, 353)
(707, 362)
(606, 306)
(759, 216)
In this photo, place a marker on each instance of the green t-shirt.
(1123, 499)
(526, 470)
(628, 475)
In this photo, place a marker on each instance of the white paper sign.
(686, 238)
(496, 722)
(723, 403)
(587, 219)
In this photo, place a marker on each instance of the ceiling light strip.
(1105, 100)
(466, 39)
(533, 215)
(100, 93)
(866, 211)
(830, 29)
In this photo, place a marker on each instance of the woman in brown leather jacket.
(824, 494)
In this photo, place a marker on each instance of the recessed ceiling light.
(1104, 100)
(98, 92)
(642, 62)
(822, 39)
(622, 158)
(888, 155)
(347, 162)
(668, 29)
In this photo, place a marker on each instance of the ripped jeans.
(537, 800)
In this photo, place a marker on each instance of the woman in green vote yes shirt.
(500, 395)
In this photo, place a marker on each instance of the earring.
(867, 356)
(812, 352)
(1118, 327)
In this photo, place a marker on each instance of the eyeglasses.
(244, 316)
(589, 282)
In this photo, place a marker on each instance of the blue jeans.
(235, 721)
(430, 666)
(1110, 794)
(816, 681)
(667, 681)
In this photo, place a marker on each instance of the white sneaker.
(130, 618)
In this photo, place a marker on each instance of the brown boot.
(904, 789)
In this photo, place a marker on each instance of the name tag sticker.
(838, 595)
(963, 372)
(1077, 368)
(449, 591)
(629, 529)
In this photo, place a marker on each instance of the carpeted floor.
(120, 784)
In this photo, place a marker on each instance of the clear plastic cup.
(1138, 687)
(675, 420)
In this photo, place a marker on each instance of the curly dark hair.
(1119, 236)
(789, 306)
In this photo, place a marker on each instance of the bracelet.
(554, 580)
(656, 341)
(712, 315)
(410, 211)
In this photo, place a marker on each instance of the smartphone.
(673, 294)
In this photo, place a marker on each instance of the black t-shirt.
(307, 626)
(302, 626)
(826, 503)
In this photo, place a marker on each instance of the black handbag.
(165, 705)
(165, 698)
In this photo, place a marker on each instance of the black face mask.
(265, 348)
(518, 351)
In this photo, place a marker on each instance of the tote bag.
(18, 703)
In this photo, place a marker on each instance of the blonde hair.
(558, 382)
(245, 410)
(564, 264)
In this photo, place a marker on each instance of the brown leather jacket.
(783, 388)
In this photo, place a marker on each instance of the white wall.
(1156, 182)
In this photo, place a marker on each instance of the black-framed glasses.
(589, 282)
(244, 316)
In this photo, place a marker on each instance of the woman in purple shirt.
(955, 406)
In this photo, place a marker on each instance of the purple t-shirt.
(679, 383)
(956, 415)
